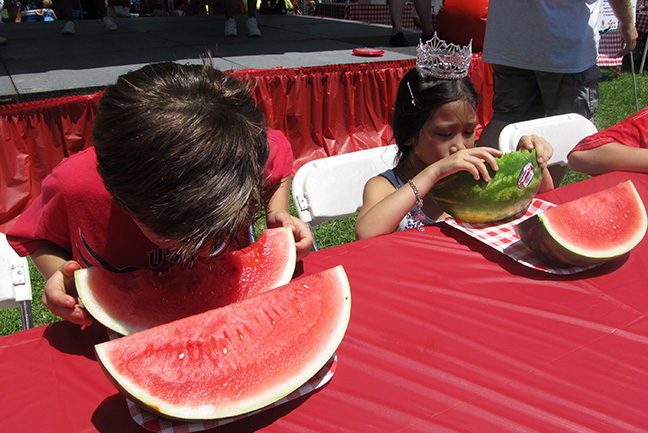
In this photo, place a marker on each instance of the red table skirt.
(322, 110)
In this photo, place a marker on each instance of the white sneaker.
(68, 28)
(253, 28)
(109, 24)
(230, 28)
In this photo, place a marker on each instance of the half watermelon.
(234, 359)
(589, 230)
(134, 301)
(509, 191)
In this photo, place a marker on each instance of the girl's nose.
(458, 143)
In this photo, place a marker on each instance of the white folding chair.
(331, 188)
(563, 132)
(15, 283)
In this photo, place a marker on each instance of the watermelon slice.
(134, 301)
(588, 230)
(237, 358)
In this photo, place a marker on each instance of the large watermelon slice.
(234, 359)
(509, 191)
(134, 301)
(588, 230)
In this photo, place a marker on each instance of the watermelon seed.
(224, 350)
(182, 355)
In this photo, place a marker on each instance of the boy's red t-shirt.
(75, 211)
(633, 131)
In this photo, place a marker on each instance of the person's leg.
(424, 11)
(68, 16)
(516, 97)
(571, 93)
(230, 22)
(396, 9)
(253, 27)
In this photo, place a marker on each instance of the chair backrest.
(15, 283)
(331, 188)
(563, 132)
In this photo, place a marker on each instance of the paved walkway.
(38, 62)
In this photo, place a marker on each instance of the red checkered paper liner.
(156, 423)
(503, 238)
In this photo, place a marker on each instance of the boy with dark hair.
(181, 164)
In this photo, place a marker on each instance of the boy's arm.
(609, 157)
(278, 215)
(59, 295)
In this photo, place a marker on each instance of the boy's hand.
(303, 235)
(57, 296)
(544, 150)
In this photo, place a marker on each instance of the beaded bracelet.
(419, 205)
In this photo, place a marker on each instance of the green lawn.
(617, 102)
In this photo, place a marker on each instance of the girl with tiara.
(435, 118)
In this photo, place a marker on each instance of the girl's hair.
(419, 96)
(182, 148)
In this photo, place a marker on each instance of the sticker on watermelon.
(134, 301)
(235, 359)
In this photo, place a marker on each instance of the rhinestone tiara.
(440, 59)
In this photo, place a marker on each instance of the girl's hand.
(544, 150)
(303, 235)
(57, 296)
(473, 160)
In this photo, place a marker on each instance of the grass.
(617, 102)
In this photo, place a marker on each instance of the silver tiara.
(440, 59)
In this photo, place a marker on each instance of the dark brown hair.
(182, 148)
(419, 96)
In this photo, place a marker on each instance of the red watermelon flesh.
(588, 230)
(134, 301)
(234, 359)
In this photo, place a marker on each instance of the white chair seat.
(332, 187)
(15, 283)
(563, 132)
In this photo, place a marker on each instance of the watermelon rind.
(542, 232)
(510, 190)
(131, 302)
(235, 359)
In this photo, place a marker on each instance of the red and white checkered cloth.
(609, 45)
(502, 237)
(642, 22)
(155, 423)
(366, 13)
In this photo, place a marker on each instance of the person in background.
(69, 28)
(181, 164)
(435, 118)
(14, 10)
(230, 22)
(544, 58)
(46, 11)
(621, 147)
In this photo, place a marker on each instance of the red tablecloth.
(446, 334)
